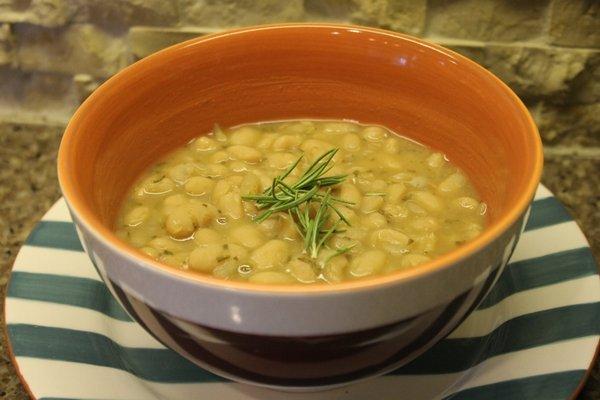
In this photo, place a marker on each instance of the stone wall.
(53, 53)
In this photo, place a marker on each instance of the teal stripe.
(55, 234)
(450, 355)
(95, 349)
(541, 271)
(520, 333)
(69, 290)
(546, 212)
(556, 386)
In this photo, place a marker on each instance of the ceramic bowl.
(301, 337)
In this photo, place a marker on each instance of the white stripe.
(542, 193)
(575, 354)
(55, 379)
(46, 260)
(570, 293)
(58, 212)
(548, 240)
(127, 334)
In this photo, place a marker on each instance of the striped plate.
(534, 337)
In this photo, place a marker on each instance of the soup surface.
(300, 202)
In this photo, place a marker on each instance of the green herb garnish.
(308, 202)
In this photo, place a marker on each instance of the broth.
(391, 204)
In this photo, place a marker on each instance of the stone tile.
(406, 16)
(45, 94)
(145, 40)
(575, 23)
(125, 13)
(6, 45)
(228, 13)
(80, 48)
(491, 20)
(570, 125)
(48, 13)
(560, 75)
(58, 13)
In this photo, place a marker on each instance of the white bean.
(385, 237)
(174, 200)
(219, 157)
(339, 127)
(280, 160)
(452, 183)
(378, 185)
(315, 147)
(136, 216)
(199, 185)
(374, 220)
(266, 141)
(202, 214)
(238, 166)
(221, 188)
(247, 235)
(374, 134)
(231, 205)
(287, 142)
(425, 243)
(302, 271)
(159, 185)
(368, 263)
(245, 135)
(351, 142)
(349, 192)
(425, 224)
(274, 253)
(371, 204)
(428, 201)
(179, 224)
(207, 236)
(435, 160)
(181, 172)
(391, 145)
(395, 212)
(205, 258)
(390, 161)
(250, 184)
(205, 144)
(395, 192)
(245, 153)
(165, 243)
(335, 269)
(467, 203)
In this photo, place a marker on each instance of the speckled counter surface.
(28, 187)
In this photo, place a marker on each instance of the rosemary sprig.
(296, 199)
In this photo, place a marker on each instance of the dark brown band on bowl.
(305, 361)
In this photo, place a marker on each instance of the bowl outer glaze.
(300, 71)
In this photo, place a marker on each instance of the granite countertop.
(28, 187)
